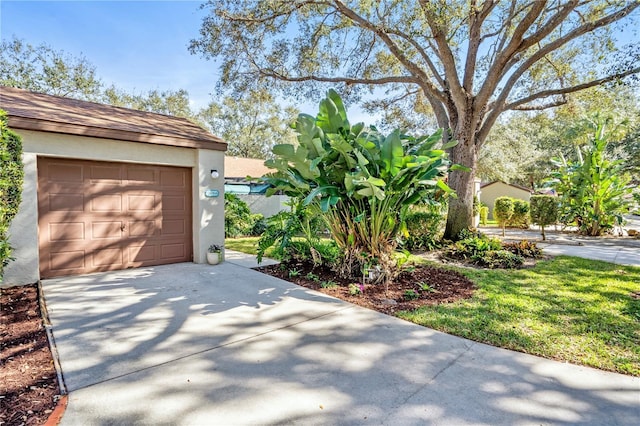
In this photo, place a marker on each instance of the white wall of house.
(489, 193)
(267, 206)
(208, 213)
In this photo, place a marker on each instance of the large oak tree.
(471, 60)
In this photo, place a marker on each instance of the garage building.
(109, 188)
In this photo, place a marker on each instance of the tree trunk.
(460, 214)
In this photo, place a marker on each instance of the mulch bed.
(29, 387)
(444, 286)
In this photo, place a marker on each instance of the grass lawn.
(569, 309)
(244, 244)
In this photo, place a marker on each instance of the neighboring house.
(490, 191)
(238, 176)
(110, 188)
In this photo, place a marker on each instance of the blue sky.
(136, 45)
(116, 37)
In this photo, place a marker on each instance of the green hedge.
(11, 179)
(544, 211)
(520, 217)
(423, 229)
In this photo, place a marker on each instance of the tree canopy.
(520, 145)
(251, 125)
(45, 70)
(470, 60)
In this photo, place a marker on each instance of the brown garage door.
(100, 216)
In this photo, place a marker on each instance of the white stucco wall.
(489, 194)
(266, 206)
(208, 220)
(208, 213)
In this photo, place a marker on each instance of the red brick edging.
(55, 417)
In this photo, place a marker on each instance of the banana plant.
(360, 180)
(595, 193)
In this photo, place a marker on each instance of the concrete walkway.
(622, 251)
(191, 344)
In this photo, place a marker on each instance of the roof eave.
(28, 123)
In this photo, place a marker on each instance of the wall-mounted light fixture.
(214, 174)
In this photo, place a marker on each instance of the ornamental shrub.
(503, 259)
(484, 214)
(523, 248)
(502, 211)
(258, 225)
(11, 178)
(361, 181)
(424, 229)
(544, 211)
(488, 252)
(520, 216)
(237, 216)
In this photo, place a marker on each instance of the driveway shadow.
(110, 324)
(190, 344)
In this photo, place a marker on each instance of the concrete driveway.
(198, 345)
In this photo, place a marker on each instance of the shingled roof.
(36, 111)
(240, 168)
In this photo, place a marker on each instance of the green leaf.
(440, 184)
(392, 153)
(459, 167)
(284, 150)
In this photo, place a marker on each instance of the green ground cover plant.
(570, 309)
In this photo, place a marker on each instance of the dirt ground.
(29, 387)
(424, 285)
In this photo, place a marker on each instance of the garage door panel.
(66, 260)
(172, 251)
(106, 203)
(144, 175)
(174, 226)
(117, 216)
(142, 202)
(106, 230)
(111, 257)
(145, 253)
(106, 175)
(142, 228)
(175, 203)
(66, 231)
(64, 202)
(173, 178)
(65, 172)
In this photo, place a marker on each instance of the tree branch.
(446, 56)
(393, 47)
(541, 107)
(494, 75)
(565, 90)
(496, 111)
(422, 53)
(556, 44)
(347, 80)
(245, 19)
(476, 19)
